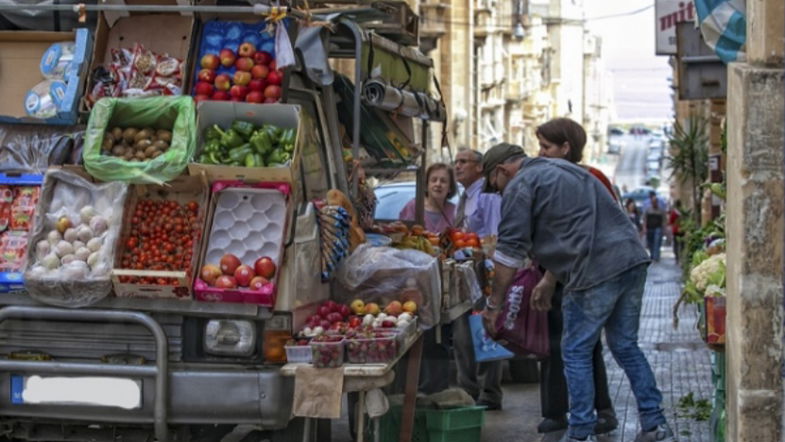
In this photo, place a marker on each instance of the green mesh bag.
(176, 114)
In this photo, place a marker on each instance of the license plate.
(87, 390)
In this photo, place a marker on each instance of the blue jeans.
(654, 242)
(616, 306)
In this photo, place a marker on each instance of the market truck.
(166, 368)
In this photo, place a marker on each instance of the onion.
(42, 248)
(74, 270)
(86, 214)
(85, 233)
(93, 259)
(94, 244)
(82, 253)
(101, 269)
(53, 237)
(77, 244)
(64, 248)
(70, 234)
(67, 259)
(37, 272)
(99, 224)
(51, 261)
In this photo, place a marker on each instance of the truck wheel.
(524, 370)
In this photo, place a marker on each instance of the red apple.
(274, 77)
(246, 49)
(229, 264)
(227, 57)
(258, 282)
(272, 91)
(244, 64)
(203, 88)
(199, 98)
(262, 57)
(254, 97)
(272, 65)
(257, 84)
(388, 323)
(209, 273)
(223, 82)
(220, 96)
(244, 274)
(323, 311)
(355, 321)
(325, 324)
(334, 317)
(207, 75)
(226, 282)
(210, 61)
(332, 305)
(264, 266)
(270, 100)
(259, 71)
(238, 92)
(242, 78)
(344, 310)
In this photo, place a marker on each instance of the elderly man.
(563, 217)
(477, 212)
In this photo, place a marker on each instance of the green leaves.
(690, 408)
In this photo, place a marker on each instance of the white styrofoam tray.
(248, 223)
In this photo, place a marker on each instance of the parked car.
(616, 131)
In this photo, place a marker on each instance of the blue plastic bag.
(485, 349)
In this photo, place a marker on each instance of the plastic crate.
(390, 426)
(380, 349)
(455, 425)
(298, 353)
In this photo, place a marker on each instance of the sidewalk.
(678, 357)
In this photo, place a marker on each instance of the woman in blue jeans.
(654, 220)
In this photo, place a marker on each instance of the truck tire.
(524, 371)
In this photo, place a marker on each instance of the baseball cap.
(496, 155)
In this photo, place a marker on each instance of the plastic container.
(45, 98)
(390, 426)
(380, 349)
(299, 353)
(328, 353)
(58, 61)
(455, 425)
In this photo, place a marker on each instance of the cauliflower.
(709, 272)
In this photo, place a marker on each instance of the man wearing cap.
(477, 212)
(560, 215)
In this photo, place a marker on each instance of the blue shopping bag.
(485, 349)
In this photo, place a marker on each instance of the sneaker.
(549, 425)
(567, 438)
(660, 433)
(606, 421)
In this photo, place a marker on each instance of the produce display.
(134, 144)
(327, 351)
(73, 248)
(137, 72)
(245, 75)
(371, 347)
(161, 237)
(244, 144)
(233, 274)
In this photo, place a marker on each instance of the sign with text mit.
(667, 14)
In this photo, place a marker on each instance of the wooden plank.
(410, 391)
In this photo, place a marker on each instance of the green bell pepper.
(244, 128)
(212, 146)
(249, 160)
(230, 138)
(258, 159)
(287, 136)
(211, 133)
(273, 132)
(260, 140)
(238, 154)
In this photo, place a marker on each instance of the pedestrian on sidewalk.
(550, 203)
(654, 220)
(564, 138)
(634, 215)
(674, 218)
(479, 213)
(439, 215)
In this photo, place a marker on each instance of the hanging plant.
(690, 156)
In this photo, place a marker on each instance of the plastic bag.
(172, 113)
(33, 148)
(384, 274)
(485, 348)
(67, 194)
(520, 328)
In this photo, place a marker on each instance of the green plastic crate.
(455, 425)
(390, 426)
(465, 435)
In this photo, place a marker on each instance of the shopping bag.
(485, 348)
(520, 328)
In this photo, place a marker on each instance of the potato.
(117, 133)
(161, 145)
(129, 134)
(129, 155)
(118, 150)
(142, 144)
(143, 134)
(140, 155)
(108, 143)
(164, 135)
(157, 153)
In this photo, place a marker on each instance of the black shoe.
(549, 425)
(606, 421)
(489, 406)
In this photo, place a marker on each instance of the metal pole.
(258, 9)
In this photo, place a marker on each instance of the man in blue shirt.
(560, 215)
(477, 212)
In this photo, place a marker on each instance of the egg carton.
(248, 222)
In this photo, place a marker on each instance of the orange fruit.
(459, 244)
(456, 236)
(472, 242)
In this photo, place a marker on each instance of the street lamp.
(518, 31)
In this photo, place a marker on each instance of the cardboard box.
(182, 190)
(223, 113)
(715, 319)
(14, 281)
(161, 33)
(20, 71)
